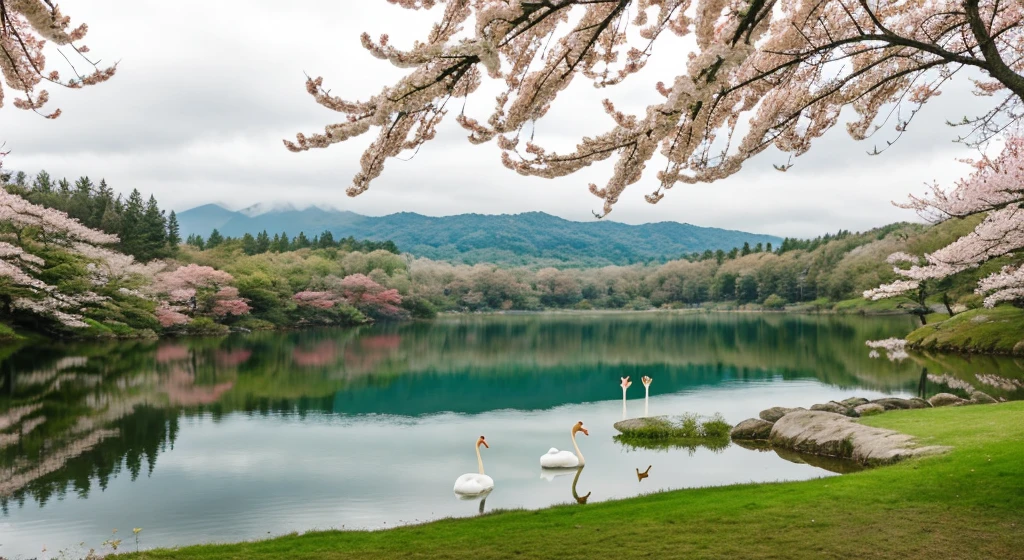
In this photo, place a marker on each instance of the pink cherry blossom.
(768, 73)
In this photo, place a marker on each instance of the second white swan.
(555, 459)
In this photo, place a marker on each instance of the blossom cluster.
(995, 189)
(760, 74)
(24, 29)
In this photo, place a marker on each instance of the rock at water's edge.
(837, 408)
(752, 428)
(982, 398)
(854, 402)
(946, 399)
(774, 413)
(835, 435)
(870, 409)
(893, 403)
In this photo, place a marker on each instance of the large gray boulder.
(893, 403)
(837, 408)
(918, 402)
(978, 397)
(835, 435)
(774, 413)
(947, 399)
(854, 402)
(870, 409)
(751, 428)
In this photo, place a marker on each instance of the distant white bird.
(555, 459)
(472, 484)
(647, 393)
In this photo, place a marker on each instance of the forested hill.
(472, 238)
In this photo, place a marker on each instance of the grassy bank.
(979, 331)
(966, 504)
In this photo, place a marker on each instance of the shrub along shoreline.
(968, 503)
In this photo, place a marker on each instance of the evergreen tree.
(327, 240)
(283, 244)
(249, 244)
(215, 239)
(768, 247)
(131, 224)
(63, 195)
(301, 242)
(154, 231)
(315, 242)
(758, 248)
(43, 184)
(173, 232)
(196, 241)
(746, 249)
(104, 199)
(80, 203)
(262, 242)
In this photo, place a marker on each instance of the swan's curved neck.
(479, 459)
(577, 448)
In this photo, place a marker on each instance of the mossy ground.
(997, 330)
(965, 504)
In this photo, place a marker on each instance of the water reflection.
(575, 494)
(84, 426)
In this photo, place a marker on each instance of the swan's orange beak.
(482, 441)
(584, 430)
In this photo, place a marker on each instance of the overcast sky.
(206, 91)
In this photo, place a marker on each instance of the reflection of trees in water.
(70, 420)
(75, 413)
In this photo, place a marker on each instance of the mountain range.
(528, 238)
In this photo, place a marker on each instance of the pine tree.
(746, 249)
(80, 202)
(42, 183)
(283, 245)
(173, 232)
(104, 199)
(154, 231)
(327, 240)
(215, 239)
(262, 242)
(249, 244)
(301, 242)
(131, 224)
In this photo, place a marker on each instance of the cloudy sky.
(206, 91)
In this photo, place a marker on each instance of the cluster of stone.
(829, 429)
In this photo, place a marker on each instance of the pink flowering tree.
(996, 190)
(35, 235)
(369, 297)
(25, 28)
(194, 290)
(758, 73)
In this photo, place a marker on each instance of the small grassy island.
(968, 503)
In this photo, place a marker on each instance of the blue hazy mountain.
(530, 237)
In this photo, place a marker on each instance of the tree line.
(146, 232)
(281, 243)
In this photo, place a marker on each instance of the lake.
(256, 435)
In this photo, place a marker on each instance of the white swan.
(647, 393)
(625, 385)
(555, 459)
(471, 484)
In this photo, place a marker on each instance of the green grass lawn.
(966, 504)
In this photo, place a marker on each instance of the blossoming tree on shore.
(996, 190)
(36, 235)
(194, 290)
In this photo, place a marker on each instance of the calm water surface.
(257, 435)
